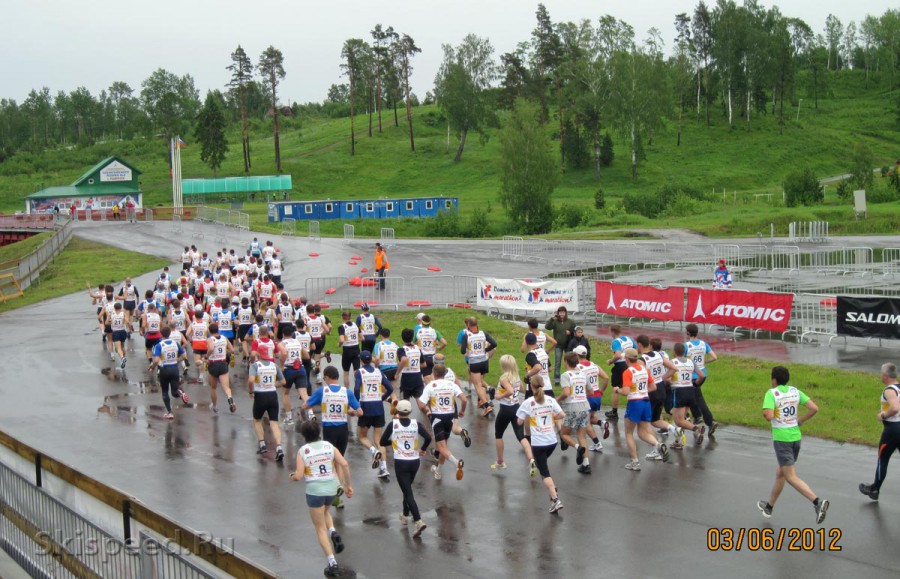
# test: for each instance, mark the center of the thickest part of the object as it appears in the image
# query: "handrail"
(132, 509)
(57, 242)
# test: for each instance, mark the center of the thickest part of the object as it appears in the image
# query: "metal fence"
(176, 225)
(148, 215)
(314, 234)
(349, 233)
(27, 269)
(808, 231)
(288, 227)
(388, 237)
(224, 217)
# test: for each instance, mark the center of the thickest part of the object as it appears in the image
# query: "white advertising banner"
(547, 295)
(115, 172)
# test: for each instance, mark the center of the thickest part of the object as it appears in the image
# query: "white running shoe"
(654, 455)
(596, 447)
(404, 520)
(436, 471)
(633, 465)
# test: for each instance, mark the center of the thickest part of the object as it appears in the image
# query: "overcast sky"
(63, 44)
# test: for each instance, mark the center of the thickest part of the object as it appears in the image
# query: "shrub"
(446, 224)
(599, 201)
(570, 216)
(801, 187)
(606, 151)
(478, 225)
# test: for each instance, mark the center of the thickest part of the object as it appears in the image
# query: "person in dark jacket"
(579, 339)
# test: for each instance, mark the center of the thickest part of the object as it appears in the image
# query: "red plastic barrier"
(330, 291)
(364, 270)
(356, 257)
(464, 306)
(368, 283)
(356, 281)
(829, 303)
(323, 305)
(352, 262)
(360, 303)
(434, 268)
(314, 254)
(418, 303)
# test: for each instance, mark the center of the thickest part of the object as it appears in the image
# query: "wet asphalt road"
(64, 398)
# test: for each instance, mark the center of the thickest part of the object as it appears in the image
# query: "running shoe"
(383, 473)
(712, 429)
(333, 571)
(436, 454)
(168, 416)
(376, 459)
(337, 542)
(340, 491)
(459, 469)
(279, 454)
(185, 398)
(579, 455)
(821, 509)
(555, 505)
(664, 452)
(262, 449)
(653, 455)
(584, 469)
(605, 429)
(338, 503)
(563, 445)
(498, 466)
(676, 446)
(633, 465)
(328, 356)
(868, 491)
(231, 405)
(436, 471)
(682, 437)
(532, 468)
(698, 434)
(213, 407)
(404, 520)
(124, 360)
(112, 357)
(612, 414)
(765, 508)
(596, 447)
(288, 422)
(420, 526)
(467, 440)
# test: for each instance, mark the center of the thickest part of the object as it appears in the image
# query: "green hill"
(745, 163)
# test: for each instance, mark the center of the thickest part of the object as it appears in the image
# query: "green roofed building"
(270, 187)
(110, 182)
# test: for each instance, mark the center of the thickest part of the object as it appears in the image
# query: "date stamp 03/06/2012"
(785, 539)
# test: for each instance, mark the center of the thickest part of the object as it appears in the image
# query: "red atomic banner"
(754, 310)
(640, 301)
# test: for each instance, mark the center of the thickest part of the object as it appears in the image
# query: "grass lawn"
(16, 251)
(847, 400)
(79, 262)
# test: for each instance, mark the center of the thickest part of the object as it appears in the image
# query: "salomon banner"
(868, 317)
(754, 310)
(640, 301)
(546, 295)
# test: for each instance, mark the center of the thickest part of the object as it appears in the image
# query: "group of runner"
(224, 307)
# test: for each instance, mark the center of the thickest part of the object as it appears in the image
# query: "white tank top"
(219, 349)
(414, 359)
(305, 339)
(286, 314)
(577, 387)
(640, 383)
(294, 350)
(441, 396)
(591, 373)
(371, 385)
(697, 354)
(367, 324)
(351, 335)
(266, 374)
(684, 372)
(118, 321)
(179, 320)
(654, 363)
(245, 316)
(388, 354)
(885, 405)
(476, 346)
(318, 463)
(334, 405)
(168, 352)
(515, 398)
(427, 338)
(405, 440)
(198, 331)
(316, 327)
(786, 405)
(153, 323)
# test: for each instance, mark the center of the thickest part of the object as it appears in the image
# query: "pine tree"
(210, 133)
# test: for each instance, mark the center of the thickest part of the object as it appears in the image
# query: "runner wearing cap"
(438, 402)
(542, 412)
(620, 343)
(369, 327)
(318, 462)
(890, 435)
(509, 396)
(593, 374)
(372, 389)
(403, 434)
(636, 386)
(781, 407)
(722, 277)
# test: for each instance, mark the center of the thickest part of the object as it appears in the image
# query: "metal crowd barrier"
(314, 234)
(176, 224)
(349, 233)
(808, 231)
(388, 237)
(288, 227)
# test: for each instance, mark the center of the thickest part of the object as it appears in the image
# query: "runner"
(276, 269)
(562, 328)
(537, 363)
(284, 316)
(317, 462)
(369, 328)
(781, 407)
(683, 397)
(403, 435)
(636, 386)
(318, 327)
(255, 248)
(509, 395)
(574, 398)
(337, 403)
(128, 294)
(700, 354)
(593, 374)
(890, 435)
(262, 383)
(438, 402)
(225, 319)
(167, 355)
(198, 333)
(245, 324)
(429, 341)
(219, 349)
(385, 355)
(409, 367)
(348, 338)
(263, 347)
(542, 412)
(116, 323)
(620, 343)
(544, 340)
(292, 355)
(661, 369)
(372, 389)
(151, 323)
(478, 347)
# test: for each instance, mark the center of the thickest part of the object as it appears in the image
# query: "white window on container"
(370, 207)
(390, 207)
(329, 207)
(349, 207)
(429, 204)
(448, 204)
(308, 208)
(409, 205)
